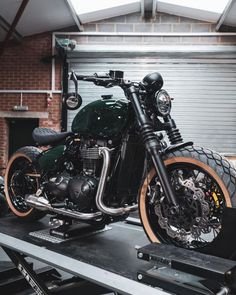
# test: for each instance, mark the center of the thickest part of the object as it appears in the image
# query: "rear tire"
(22, 179)
(209, 163)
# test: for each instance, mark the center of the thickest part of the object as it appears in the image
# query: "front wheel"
(204, 183)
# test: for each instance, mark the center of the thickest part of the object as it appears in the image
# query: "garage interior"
(191, 43)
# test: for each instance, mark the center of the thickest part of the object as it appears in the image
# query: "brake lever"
(105, 83)
(109, 85)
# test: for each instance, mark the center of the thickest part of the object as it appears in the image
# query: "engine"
(78, 188)
(82, 191)
(89, 153)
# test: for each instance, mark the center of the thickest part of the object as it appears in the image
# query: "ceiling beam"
(224, 15)
(154, 8)
(142, 8)
(147, 8)
(14, 24)
(74, 15)
(6, 26)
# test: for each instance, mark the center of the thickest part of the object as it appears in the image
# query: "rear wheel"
(204, 182)
(22, 178)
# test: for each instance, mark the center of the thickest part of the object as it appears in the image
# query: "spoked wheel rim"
(20, 181)
(196, 232)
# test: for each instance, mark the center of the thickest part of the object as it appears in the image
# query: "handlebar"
(113, 78)
(107, 80)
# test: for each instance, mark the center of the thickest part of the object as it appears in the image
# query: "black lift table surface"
(108, 258)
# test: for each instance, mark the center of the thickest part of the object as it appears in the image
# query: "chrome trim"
(105, 153)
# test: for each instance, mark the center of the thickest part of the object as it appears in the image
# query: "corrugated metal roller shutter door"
(205, 94)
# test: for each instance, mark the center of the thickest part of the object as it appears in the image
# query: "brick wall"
(22, 69)
(163, 23)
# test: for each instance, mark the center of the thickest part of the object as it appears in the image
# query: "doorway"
(20, 133)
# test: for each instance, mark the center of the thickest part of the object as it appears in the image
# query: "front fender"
(178, 146)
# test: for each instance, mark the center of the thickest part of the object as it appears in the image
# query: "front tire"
(21, 178)
(210, 174)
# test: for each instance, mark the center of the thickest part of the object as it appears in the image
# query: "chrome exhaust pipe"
(38, 202)
(105, 153)
(42, 203)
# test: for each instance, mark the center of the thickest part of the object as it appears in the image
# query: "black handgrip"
(92, 77)
(85, 77)
(75, 77)
(98, 79)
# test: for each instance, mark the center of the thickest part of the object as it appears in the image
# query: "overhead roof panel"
(89, 11)
(44, 15)
(39, 16)
(8, 9)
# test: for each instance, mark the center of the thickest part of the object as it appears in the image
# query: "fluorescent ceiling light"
(87, 6)
(217, 6)
(205, 10)
(94, 10)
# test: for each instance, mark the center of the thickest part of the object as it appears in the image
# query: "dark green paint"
(102, 118)
(48, 159)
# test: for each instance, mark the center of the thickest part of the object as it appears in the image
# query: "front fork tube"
(162, 175)
(153, 146)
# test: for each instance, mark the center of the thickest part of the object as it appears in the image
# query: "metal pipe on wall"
(53, 74)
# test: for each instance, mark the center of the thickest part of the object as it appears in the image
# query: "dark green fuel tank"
(102, 118)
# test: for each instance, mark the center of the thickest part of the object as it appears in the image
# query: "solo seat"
(47, 136)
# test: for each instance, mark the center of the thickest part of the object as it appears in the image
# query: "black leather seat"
(47, 136)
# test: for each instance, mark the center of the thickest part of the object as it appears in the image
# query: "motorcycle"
(116, 161)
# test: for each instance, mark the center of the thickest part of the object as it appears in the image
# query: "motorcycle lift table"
(106, 257)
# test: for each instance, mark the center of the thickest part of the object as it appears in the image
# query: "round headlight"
(163, 102)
